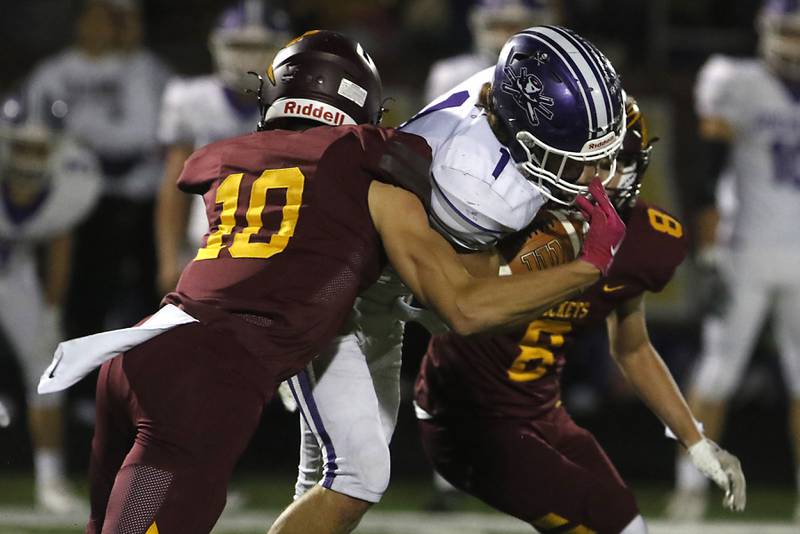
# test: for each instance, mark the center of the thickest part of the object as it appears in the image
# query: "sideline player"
(489, 407)
(48, 184)
(749, 117)
(112, 85)
(491, 22)
(478, 193)
(198, 111)
(300, 217)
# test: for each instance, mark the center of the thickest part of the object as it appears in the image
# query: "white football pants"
(759, 282)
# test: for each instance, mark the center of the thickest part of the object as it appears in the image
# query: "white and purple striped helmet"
(562, 106)
(245, 38)
(779, 28)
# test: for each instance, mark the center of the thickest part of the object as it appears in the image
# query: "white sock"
(687, 477)
(48, 465)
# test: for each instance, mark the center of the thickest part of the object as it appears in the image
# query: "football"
(553, 238)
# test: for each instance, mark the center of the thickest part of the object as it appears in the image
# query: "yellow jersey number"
(664, 223)
(535, 357)
(292, 180)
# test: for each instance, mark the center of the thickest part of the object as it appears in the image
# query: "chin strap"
(262, 107)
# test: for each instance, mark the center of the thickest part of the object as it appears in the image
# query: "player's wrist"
(587, 268)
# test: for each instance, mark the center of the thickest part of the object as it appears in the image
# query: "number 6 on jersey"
(228, 193)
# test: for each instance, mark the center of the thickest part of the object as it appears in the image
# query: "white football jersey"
(196, 112)
(765, 153)
(74, 187)
(478, 194)
(449, 72)
(113, 106)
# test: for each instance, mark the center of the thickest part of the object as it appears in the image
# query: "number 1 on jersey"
(292, 180)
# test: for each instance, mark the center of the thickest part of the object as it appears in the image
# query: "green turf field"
(768, 511)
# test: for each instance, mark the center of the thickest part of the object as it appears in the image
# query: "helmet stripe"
(588, 98)
(583, 64)
(591, 57)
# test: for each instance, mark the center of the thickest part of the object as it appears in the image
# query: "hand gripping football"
(553, 238)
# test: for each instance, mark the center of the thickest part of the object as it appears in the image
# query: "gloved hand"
(405, 310)
(724, 469)
(713, 295)
(606, 229)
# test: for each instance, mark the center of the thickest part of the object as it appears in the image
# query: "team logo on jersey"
(526, 89)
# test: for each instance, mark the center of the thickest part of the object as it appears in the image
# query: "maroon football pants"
(173, 416)
(548, 472)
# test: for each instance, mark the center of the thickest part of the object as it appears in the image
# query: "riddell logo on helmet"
(306, 108)
(314, 111)
(593, 145)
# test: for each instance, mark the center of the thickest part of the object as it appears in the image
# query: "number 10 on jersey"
(228, 193)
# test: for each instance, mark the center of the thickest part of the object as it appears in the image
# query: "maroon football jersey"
(290, 242)
(517, 374)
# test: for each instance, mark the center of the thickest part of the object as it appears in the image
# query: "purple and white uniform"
(31, 329)
(478, 195)
(760, 246)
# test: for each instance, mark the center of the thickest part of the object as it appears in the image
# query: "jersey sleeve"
(173, 128)
(398, 158)
(717, 91)
(660, 242)
(201, 169)
(478, 194)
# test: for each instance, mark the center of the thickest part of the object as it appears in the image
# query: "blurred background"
(658, 46)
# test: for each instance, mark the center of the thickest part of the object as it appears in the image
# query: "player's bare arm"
(172, 212)
(435, 274)
(58, 269)
(646, 372)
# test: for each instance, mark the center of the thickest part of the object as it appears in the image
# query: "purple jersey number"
(786, 163)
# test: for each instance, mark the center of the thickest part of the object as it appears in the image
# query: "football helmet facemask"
(562, 108)
(632, 160)
(25, 146)
(779, 37)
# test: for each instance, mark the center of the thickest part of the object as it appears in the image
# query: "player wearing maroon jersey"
(490, 412)
(302, 217)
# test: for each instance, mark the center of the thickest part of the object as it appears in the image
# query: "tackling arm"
(432, 270)
(172, 214)
(646, 372)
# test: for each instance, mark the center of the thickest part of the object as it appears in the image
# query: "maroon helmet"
(325, 77)
(633, 158)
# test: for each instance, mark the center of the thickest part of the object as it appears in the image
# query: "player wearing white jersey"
(750, 119)
(480, 189)
(491, 22)
(198, 111)
(48, 184)
(111, 86)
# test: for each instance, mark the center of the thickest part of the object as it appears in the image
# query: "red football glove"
(606, 229)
